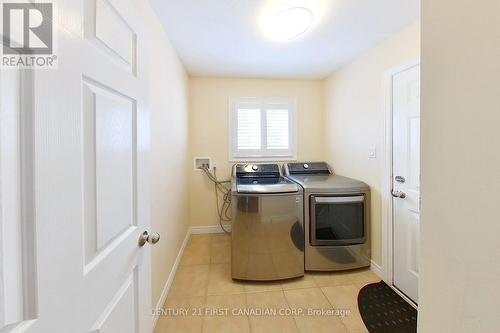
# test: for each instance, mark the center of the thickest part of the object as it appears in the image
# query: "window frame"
(262, 154)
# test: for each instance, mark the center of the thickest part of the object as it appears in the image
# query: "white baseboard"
(171, 277)
(375, 268)
(210, 229)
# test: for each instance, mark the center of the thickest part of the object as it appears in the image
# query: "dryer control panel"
(311, 168)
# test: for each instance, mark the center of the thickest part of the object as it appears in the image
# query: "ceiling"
(224, 37)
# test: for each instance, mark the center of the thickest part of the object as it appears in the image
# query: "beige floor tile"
(311, 298)
(222, 314)
(196, 254)
(181, 314)
(269, 299)
(263, 324)
(220, 238)
(364, 277)
(317, 324)
(200, 238)
(226, 301)
(346, 297)
(220, 252)
(333, 279)
(357, 277)
(303, 282)
(197, 250)
(226, 324)
(275, 303)
(252, 287)
(220, 282)
(190, 281)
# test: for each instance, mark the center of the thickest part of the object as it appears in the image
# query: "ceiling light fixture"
(288, 24)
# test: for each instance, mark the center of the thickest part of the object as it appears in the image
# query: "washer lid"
(266, 185)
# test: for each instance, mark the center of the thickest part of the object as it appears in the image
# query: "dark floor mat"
(384, 311)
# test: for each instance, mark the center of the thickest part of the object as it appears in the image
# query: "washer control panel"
(257, 170)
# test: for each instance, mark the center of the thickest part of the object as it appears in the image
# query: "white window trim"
(257, 156)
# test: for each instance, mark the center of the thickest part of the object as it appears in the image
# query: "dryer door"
(337, 220)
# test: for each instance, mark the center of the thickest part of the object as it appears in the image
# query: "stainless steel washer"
(336, 217)
(267, 224)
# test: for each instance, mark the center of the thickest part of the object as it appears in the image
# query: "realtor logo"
(28, 36)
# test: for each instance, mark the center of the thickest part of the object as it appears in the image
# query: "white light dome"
(289, 23)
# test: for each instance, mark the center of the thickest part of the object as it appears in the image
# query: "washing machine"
(267, 235)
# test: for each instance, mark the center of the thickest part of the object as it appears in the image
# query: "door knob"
(154, 238)
(145, 237)
(398, 194)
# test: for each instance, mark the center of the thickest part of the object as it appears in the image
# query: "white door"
(74, 186)
(406, 180)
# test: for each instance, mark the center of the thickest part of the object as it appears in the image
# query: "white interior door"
(406, 180)
(74, 182)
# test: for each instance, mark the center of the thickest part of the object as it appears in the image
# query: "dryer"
(336, 217)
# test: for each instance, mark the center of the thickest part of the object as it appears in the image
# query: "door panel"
(18, 304)
(110, 152)
(11, 295)
(413, 243)
(406, 179)
(90, 136)
(120, 314)
(111, 33)
(115, 166)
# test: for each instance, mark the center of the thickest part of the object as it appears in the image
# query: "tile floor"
(204, 298)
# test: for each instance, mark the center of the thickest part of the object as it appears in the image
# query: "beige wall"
(460, 258)
(168, 104)
(209, 109)
(355, 97)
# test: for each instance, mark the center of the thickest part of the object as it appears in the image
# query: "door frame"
(387, 214)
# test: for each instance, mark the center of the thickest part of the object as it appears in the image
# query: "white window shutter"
(278, 135)
(248, 129)
(262, 129)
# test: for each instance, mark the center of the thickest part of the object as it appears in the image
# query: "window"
(262, 129)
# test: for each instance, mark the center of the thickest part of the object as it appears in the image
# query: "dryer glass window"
(337, 220)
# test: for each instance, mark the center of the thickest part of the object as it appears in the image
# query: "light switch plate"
(372, 152)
